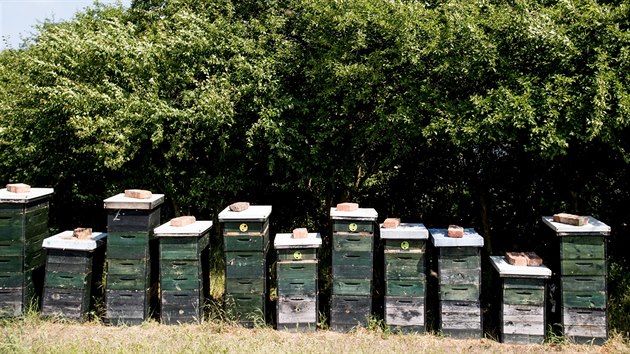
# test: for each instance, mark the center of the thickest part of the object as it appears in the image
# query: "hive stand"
(405, 276)
(184, 262)
(132, 258)
(522, 313)
(245, 245)
(581, 276)
(23, 228)
(297, 290)
(459, 278)
(352, 267)
(74, 269)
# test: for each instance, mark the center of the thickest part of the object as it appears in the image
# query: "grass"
(34, 334)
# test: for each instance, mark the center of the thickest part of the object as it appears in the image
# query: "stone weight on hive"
(184, 282)
(73, 274)
(132, 258)
(245, 245)
(23, 228)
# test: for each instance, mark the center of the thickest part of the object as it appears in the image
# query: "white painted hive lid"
(471, 238)
(507, 270)
(593, 226)
(366, 214)
(253, 213)
(282, 241)
(17, 198)
(65, 241)
(197, 228)
(119, 201)
(407, 231)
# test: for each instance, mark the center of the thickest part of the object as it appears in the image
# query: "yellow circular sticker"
(353, 227)
(297, 255)
(243, 227)
(404, 245)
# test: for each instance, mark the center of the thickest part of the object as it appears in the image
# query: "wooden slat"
(407, 288)
(460, 315)
(67, 303)
(584, 299)
(297, 270)
(245, 286)
(454, 276)
(126, 306)
(523, 319)
(583, 283)
(405, 245)
(298, 309)
(182, 248)
(296, 254)
(129, 220)
(248, 243)
(353, 243)
(583, 267)
(128, 245)
(250, 228)
(352, 286)
(517, 296)
(582, 247)
(460, 292)
(349, 311)
(353, 226)
(404, 311)
(63, 280)
(291, 287)
(404, 265)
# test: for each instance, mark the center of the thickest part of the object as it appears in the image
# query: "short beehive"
(405, 276)
(352, 267)
(297, 289)
(23, 227)
(245, 245)
(184, 282)
(522, 312)
(459, 278)
(132, 259)
(74, 271)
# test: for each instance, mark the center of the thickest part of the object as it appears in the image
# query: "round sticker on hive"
(353, 227)
(297, 255)
(404, 245)
(243, 227)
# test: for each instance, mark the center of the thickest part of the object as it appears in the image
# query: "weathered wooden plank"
(353, 258)
(523, 319)
(11, 249)
(404, 311)
(180, 282)
(64, 280)
(130, 220)
(348, 312)
(126, 306)
(524, 283)
(172, 268)
(245, 286)
(460, 292)
(248, 243)
(246, 308)
(128, 245)
(583, 267)
(12, 280)
(12, 264)
(460, 315)
(11, 302)
(516, 296)
(585, 323)
(296, 254)
(584, 299)
(354, 226)
(407, 288)
(353, 242)
(67, 303)
(583, 283)
(246, 227)
(245, 265)
(455, 276)
(136, 282)
(298, 309)
(522, 339)
(291, 287)
(297, 270)
(35, 259)
(404, 265)
(582, 247)
(352, 271)
(404, 245)
(181, 306)
(352, 286)
(135, 267)
(182, 248)
(459, 262)
(458, 252)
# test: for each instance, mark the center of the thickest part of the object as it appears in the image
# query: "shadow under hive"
(352, 267)
(522, 312)
(132, 259)
(245, 245)
(296, 271)
(582, 279)
(405, 277)
(183, 271)
(23, 228)
(459, 277)
(73, 272)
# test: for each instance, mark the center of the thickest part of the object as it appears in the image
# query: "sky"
(19, 17)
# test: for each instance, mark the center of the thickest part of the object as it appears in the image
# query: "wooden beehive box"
(581, 278)
(23, 227)
(184, 281)
(296, 274)
(352, 267)
(132, 257)
(245, 244)
(405, 276)
(73, 273)
(522, 311)
(459, 278)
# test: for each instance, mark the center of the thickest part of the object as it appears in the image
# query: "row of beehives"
(136, 243)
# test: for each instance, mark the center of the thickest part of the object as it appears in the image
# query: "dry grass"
(35, 335)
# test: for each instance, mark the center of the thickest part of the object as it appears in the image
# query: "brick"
(239, 206)
(300, 233)
(138, 193)
(82, 233)
(455, 231)
(391, 223)
(570, 219)
(182, 221)
(516, 258)
(347, 206)
(18, 188)
(533, 259)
